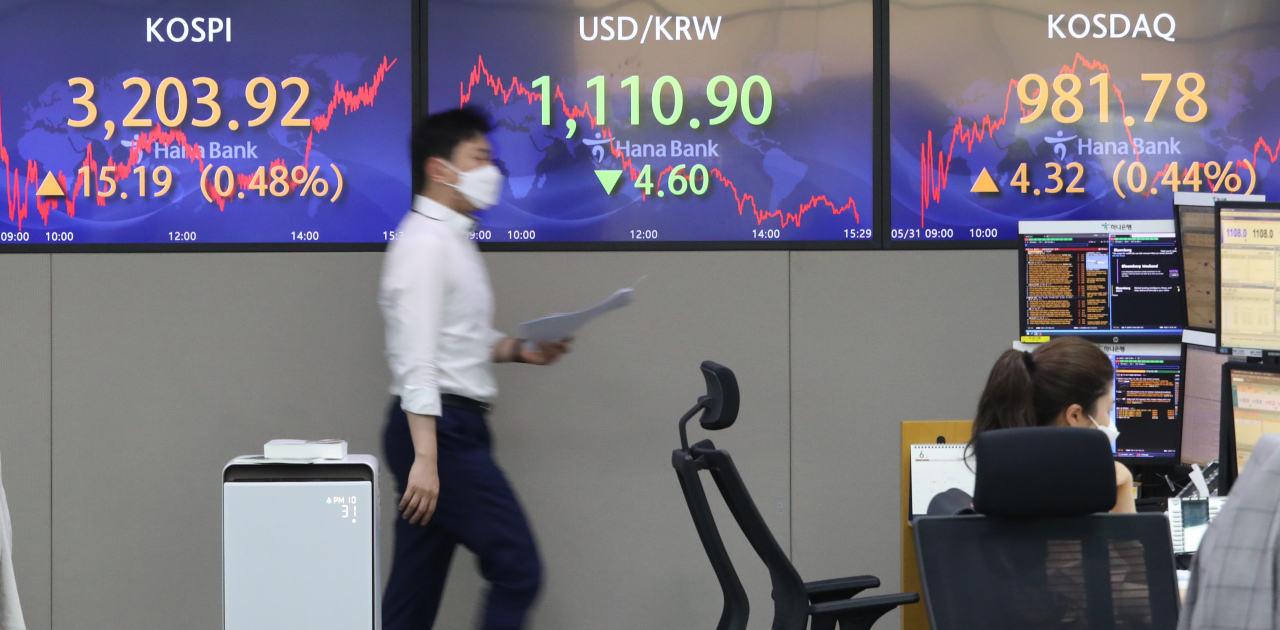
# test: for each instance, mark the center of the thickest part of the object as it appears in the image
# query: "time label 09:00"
(514, 235)
(49, 237)
(915, 234)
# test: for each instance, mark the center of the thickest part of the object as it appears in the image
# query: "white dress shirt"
(438, 307)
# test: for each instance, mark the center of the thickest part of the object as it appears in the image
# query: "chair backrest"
(1043, 472)
(791, 602)
(719, 409)
(1039, 555)
(1098, 571)
(736, 609)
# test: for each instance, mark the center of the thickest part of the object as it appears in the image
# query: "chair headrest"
(1043, 472)
(720, 405)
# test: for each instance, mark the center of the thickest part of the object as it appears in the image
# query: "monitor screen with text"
(1249, 251)
(1148, 389)
(1109, 281)
(1255, 406)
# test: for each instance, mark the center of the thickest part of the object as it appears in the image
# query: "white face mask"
(482, 186)
(1109, 429)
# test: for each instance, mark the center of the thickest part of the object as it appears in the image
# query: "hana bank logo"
(1059, 145)
(598, 147)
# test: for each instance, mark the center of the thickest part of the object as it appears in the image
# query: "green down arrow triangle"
(609, 179)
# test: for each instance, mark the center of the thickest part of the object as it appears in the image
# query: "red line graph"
(19, 187)
(514, 88)
(935, 167)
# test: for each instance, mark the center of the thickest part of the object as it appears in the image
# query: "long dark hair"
(1030, 389)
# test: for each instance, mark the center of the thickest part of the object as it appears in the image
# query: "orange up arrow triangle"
(984, 184)
(50, 187)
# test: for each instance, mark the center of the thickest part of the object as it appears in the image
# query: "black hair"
(437, 135)
(1030, 389)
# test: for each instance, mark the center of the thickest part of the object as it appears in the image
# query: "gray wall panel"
(879, 338)
(25, 425)
(165, 367)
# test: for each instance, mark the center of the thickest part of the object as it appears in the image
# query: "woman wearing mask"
(1065, 382)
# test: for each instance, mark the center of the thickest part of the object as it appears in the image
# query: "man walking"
(441, 346)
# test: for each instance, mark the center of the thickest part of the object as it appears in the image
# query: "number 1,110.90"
(732, 99)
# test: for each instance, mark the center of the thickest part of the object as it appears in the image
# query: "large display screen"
(1091, 110)
(184, 123)
(690, 122)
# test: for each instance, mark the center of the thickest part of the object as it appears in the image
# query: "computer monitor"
(1109, 281)
(1248, 237)
(1201, 403)
(1193, 214)
(1199, 265)
(1148, 386)
(1250, 407)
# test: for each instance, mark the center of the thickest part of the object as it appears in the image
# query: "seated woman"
(1065, 382)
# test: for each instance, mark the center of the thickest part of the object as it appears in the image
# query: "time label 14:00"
(732, 100)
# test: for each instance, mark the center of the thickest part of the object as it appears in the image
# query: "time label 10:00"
(174, 113)
(668, 115)
(1067, 86)
(513, 235)
(53, 236)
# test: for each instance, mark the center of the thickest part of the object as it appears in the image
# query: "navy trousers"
(476, 509)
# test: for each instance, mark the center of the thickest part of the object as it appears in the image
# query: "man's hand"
(422, 492)
(548, 352)
(423, 487)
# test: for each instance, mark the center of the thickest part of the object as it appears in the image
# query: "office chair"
(826, 602)
(1038, 554)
